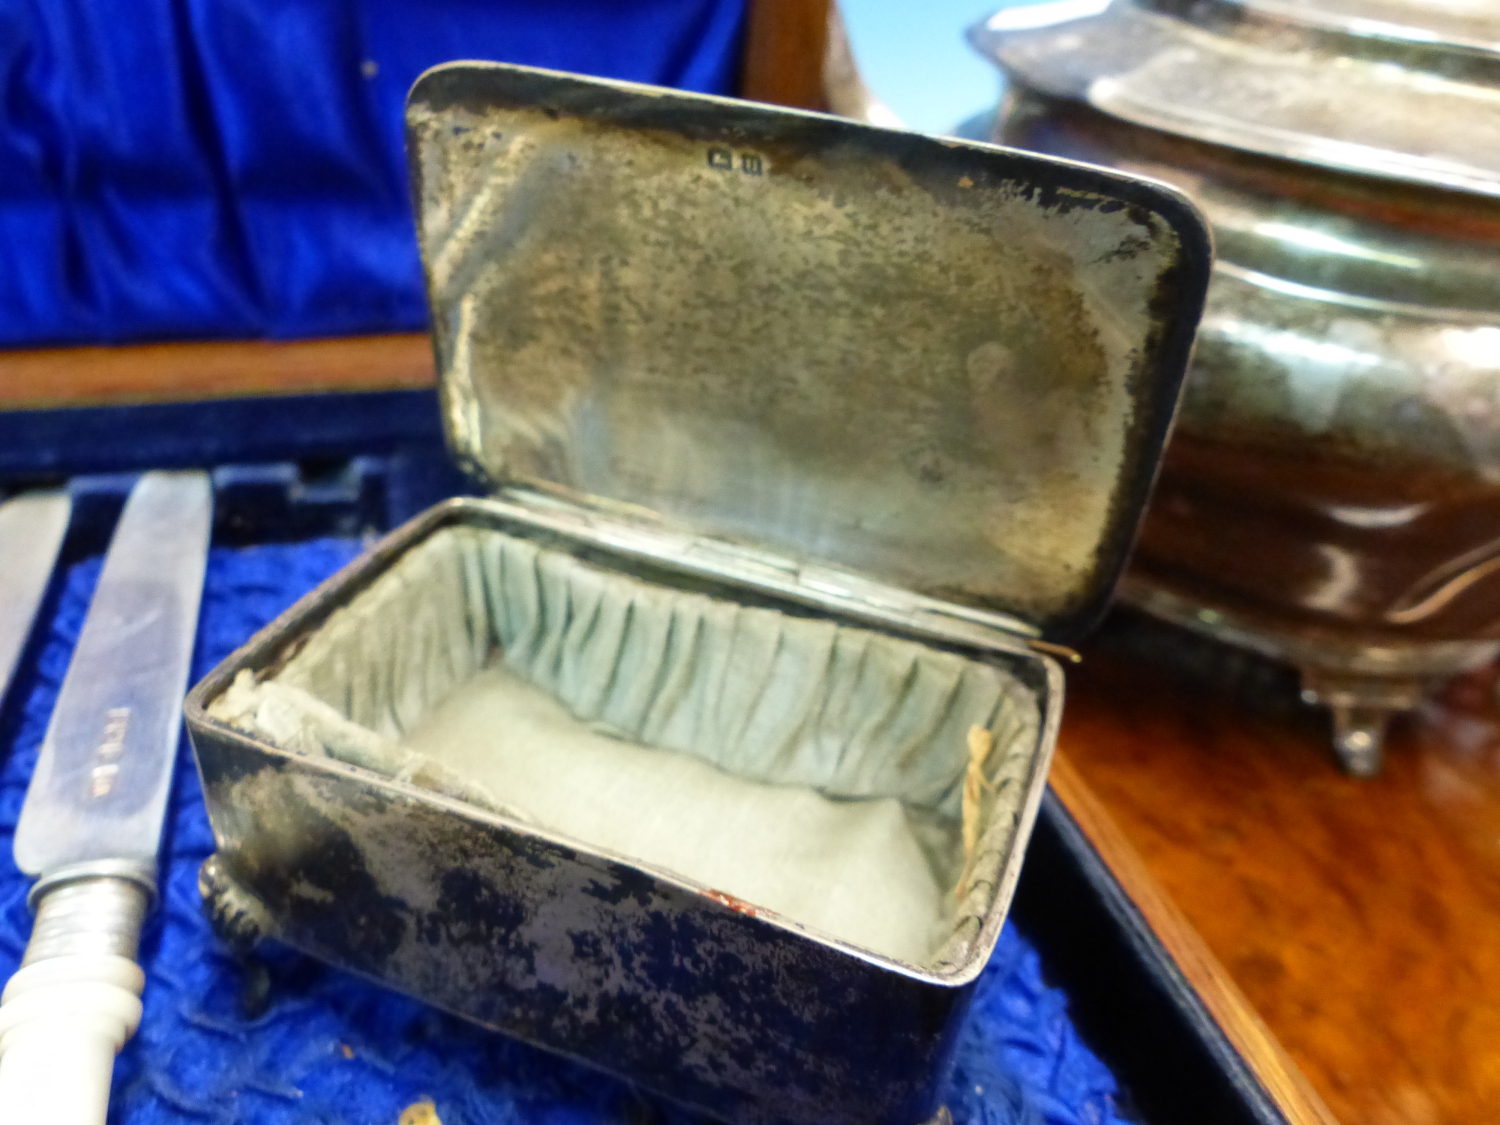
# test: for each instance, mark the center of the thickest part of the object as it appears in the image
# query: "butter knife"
(91, 824)
(32, 527)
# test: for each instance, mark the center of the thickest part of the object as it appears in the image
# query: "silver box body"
(905, 383)
(684, 990)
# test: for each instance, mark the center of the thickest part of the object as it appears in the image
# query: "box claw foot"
(237, 916)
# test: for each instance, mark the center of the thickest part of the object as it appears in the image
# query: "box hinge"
(809, 582)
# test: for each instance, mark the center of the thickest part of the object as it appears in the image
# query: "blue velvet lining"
(334, 1050)
(235, 168)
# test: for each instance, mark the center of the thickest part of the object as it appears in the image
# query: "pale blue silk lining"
(762, 696)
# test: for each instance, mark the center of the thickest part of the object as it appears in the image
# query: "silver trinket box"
(706, 748)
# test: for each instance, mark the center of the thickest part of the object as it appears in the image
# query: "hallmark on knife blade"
(111, 748)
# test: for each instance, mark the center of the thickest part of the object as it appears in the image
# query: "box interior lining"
(805, 767)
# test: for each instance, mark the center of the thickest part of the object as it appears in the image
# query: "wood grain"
(1225, 1002)
(174, 372)
(1361, 919)
(786, 42)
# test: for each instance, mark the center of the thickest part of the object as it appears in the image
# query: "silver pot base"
(1362, 684)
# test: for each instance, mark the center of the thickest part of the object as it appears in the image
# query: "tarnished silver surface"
(1325, 319)
(935, 364)
(89, 917)
(1306, 82)
(101, 782)
(1384, 375)
(689, 991)
(1472, 24)
(32, 527)
(1334, 485)
(1361, 683)
(1346, 328)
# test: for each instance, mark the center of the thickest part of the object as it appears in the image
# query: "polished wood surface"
(174, 372)
(1223, 998)
(786, 43)
(1360, 918)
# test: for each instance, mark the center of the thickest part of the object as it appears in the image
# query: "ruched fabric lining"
(810, 768)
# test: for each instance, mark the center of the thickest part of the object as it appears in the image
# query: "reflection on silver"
(1376, 517)
(1342, 578)
(1360, 683)
(1347, 155)
(1282, 82)
(1322, 242)
(1026, 17)
(1459, 23)
(101, 782)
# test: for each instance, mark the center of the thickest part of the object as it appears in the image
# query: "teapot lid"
(1403, 89)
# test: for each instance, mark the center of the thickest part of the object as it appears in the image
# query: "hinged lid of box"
(946, 367)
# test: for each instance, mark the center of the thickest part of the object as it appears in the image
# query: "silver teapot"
(1331, 496)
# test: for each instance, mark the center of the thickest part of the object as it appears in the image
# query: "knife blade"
(32, 527)
(91, 823)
